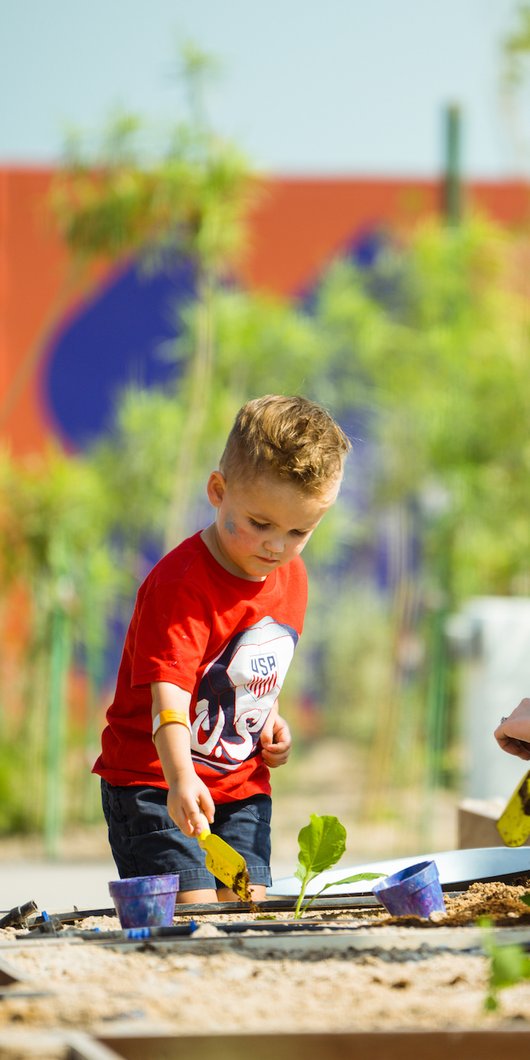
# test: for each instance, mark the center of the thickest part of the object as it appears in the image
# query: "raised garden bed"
(326, 986)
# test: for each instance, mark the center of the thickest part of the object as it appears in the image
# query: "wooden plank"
(80, 1046)
(379, 1045)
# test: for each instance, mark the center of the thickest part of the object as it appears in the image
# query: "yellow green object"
(225, 863)
(513, 825)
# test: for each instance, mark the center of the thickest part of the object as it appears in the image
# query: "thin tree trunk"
(199, 389)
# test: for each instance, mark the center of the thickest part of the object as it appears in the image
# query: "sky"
(315, 87)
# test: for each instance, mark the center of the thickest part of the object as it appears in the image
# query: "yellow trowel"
(226, 864)
(513, 825)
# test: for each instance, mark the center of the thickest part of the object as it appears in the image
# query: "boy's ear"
(215, 488)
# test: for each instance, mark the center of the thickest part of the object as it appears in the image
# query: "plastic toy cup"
(414, 891)
(145, 901)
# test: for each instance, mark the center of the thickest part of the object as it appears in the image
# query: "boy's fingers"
(207, 805)
(266, 737)
(278, 748)
(197, 822)
(283, 732)
(275, 763)
(276, 755)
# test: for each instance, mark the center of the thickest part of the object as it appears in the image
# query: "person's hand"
(190, 804)
(275, 741)
(513, 732)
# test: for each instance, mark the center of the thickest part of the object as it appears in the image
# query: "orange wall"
(297, 227)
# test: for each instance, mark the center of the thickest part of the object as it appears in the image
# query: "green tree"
(442, 365)
(54, 544)
(434, 340)
(515, 69)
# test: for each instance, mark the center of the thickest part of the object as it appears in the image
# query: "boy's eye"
(299, 533)
(258, 526)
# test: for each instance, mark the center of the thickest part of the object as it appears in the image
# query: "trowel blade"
(513, 825)
(225, 863)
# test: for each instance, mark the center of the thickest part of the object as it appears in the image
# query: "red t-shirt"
(226, 640)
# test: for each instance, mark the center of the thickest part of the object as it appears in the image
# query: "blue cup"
(414, 891)
(145, 901)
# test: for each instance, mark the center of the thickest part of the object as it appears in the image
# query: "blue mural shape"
(117, 340)
(114, 341)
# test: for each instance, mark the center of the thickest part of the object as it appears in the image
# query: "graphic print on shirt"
(237, 693)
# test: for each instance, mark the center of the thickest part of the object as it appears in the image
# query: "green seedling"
(508, 965)
(321, 844)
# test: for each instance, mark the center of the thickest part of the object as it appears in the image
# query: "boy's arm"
(275, 739)
(188, 799)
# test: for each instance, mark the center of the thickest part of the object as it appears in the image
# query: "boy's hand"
(275, 741)
(190, 804)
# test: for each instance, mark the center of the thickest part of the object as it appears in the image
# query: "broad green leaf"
(322, 843)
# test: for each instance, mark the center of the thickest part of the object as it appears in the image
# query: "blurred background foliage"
(422, 355)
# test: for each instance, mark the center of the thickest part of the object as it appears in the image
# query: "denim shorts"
(145, 841)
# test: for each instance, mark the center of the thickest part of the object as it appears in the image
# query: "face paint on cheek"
(230, 526)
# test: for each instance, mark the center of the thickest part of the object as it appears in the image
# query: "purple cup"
(414, 891)
(145, 901)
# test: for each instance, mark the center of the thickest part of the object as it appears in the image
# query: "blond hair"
(290, 437)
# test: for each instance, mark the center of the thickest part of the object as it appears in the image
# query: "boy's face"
(263, 524)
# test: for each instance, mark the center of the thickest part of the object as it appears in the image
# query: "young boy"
(194, 726)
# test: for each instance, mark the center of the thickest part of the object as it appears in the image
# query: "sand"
(90, 986)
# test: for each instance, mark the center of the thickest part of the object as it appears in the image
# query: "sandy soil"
(93, 986)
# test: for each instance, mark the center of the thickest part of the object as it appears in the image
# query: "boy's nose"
(275, 545)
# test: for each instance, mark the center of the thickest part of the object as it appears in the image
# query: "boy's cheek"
(235, 530)
(245, 538)
(230, 526)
